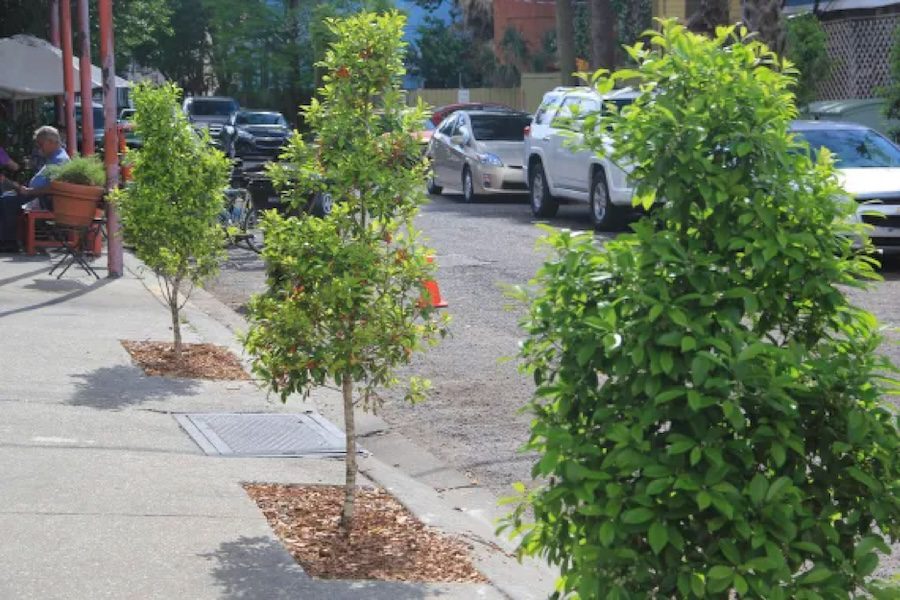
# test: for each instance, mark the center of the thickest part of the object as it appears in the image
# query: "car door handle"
(546, 138)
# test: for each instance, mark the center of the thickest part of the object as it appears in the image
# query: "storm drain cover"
(264, 434)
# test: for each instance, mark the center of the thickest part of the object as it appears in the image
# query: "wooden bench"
(35, 232)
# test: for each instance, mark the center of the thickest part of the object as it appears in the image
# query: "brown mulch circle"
(200, 361)
(386, 542)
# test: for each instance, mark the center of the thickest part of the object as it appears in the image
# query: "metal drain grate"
(264, 434)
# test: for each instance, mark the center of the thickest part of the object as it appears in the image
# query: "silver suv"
(554, 170)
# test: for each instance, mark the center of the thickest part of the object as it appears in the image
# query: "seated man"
(34, 194)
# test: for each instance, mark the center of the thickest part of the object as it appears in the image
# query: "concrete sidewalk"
(102, 495)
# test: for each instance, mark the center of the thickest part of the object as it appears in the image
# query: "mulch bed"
(386, 542)
(200, 361)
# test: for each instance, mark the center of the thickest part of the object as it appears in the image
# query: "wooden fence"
(526, 97)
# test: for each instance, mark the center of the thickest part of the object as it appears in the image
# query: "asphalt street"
(472, 420)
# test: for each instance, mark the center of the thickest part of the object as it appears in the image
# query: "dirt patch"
(200, 361)
(386, 542)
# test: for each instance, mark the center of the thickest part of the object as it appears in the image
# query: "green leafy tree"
(445, 55)
(807, 48)
(892, 92)
(709, 412)
(171, 207)
(345, 293)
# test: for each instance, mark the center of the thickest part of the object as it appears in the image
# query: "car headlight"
(490, 159)
(244, 135)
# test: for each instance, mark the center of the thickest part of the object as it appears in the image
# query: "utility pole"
(84, 69)
(110, 136)
(65, 22)
(565, 41)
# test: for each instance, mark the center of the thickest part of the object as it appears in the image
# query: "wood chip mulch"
(386, 542)
(200, 361)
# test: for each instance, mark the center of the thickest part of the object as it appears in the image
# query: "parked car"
(212, 113)
(443, 112)
(869, 168)
(479, 150)
(126, 125)
(255, 133)
(555, 170)
(99, 123)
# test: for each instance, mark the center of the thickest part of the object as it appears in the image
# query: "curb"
(456, 509)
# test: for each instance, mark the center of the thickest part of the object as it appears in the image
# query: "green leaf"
(698, 585)
(703, 500)
(777, 488)
(681, 446)
(636, 516)
(816, 575)
(658, 537)
(607, 533)
(668, 395)
(758, 488)
(864, 478)
(657, 486)
(688, 343)
(740, 585)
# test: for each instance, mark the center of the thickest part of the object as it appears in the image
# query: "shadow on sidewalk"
(122, 386)
(252, 568)
(75, 289)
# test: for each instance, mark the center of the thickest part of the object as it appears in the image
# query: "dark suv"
(256, 133)
(214, 114)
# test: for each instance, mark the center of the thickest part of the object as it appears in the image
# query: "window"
(547, 107)
(499, 128)
(212, 108)
(260, 119)
(447, 126)
(853, 148)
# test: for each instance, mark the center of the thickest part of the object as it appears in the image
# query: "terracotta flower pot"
(75, 205)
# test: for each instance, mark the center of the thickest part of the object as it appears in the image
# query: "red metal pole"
(65, 22)
(55, 40)
(110, 135)
(84, 68)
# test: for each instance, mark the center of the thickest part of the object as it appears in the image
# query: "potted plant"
(77, 187)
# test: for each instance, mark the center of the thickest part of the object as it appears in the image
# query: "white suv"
(554, 170)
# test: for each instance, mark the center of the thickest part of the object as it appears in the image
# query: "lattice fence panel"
(860, 48)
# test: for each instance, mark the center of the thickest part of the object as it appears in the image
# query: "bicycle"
(240, 220)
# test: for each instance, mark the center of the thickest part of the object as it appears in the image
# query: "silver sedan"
(480, 152)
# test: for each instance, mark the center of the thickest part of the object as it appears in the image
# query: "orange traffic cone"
(432, 290)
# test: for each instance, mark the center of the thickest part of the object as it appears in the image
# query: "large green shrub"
(807, 48)
(892, 92)
(708, 408)
(171, 207)
(345, 293)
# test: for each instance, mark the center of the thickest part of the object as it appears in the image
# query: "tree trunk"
(603, 35)
(764, 17)
(565, 40)
(709, 15)
(350, 461)
(176, 319)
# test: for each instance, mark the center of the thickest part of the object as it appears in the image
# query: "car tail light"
(527, 130)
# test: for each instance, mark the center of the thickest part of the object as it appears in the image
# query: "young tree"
(709, 410)
(807, 49)
(892, 92)
(170, 209)
(346, 298)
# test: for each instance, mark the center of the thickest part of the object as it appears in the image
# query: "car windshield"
(260, 119)
(499, 128)
(212, 108)
(854, 148)
(99, 121)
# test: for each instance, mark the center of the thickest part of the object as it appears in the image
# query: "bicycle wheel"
(251, 231)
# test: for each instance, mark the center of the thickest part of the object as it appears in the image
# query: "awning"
(32, 68)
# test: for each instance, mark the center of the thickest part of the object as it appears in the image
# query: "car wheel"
(468, 184)
(321, 204)
(605, 216)
(433, 188)
(252, 231)
(543, 204)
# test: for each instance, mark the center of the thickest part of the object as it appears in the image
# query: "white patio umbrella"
(31, 68)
